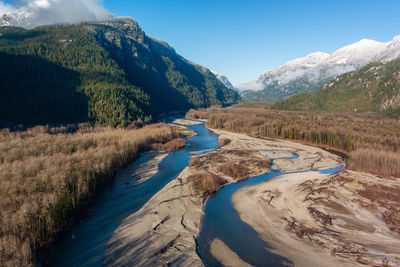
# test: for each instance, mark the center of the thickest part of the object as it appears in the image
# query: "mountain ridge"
(123, 74)
(224, 79)
(373, 88)
(307, 74)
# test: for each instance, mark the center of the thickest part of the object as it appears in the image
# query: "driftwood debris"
(176, 198)
(269, 202)
(169, 245)
(323, 218)
(162, 222)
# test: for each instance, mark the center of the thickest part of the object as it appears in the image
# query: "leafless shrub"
(206, 182)
(195, 162)
(235, 171)
(195, 114)
(380, 162)
(223, 141)
(239, 153)
(214, 157)
(172, 145)
(260, 163)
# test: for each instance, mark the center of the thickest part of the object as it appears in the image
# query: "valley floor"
(310, 218)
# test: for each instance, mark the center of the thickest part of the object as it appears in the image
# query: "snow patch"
(224, 80)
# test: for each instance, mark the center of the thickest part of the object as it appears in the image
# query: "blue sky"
(243, 38)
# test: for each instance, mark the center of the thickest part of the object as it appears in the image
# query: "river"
(86, 244)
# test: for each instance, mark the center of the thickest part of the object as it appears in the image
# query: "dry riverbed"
(297, 214)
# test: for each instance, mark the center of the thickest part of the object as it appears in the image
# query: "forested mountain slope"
(108, 72)
(373, 88)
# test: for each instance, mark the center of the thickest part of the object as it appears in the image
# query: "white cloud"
(32, 13)
(253, 85)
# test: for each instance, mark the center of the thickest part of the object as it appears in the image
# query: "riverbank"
(164, 231)
(149, 168)
(326, 220)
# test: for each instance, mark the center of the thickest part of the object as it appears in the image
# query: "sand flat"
(149, 168)
(225, 255)
(163, 231)
(294, 221)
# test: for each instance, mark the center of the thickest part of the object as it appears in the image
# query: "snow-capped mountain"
(307, 74)
(224, 80)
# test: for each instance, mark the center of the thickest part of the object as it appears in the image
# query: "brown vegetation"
(260, 163)
(206, 182)
(195, 162)
(171, 145)
(49, 175)
(236, 171)
(202, 162)
(201, 113)
(223, 141)
(373, 140)
(239, 153)
(237, 164)
(380, 162)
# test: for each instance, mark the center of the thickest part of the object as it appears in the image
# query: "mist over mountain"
(372, 88)
(307, 74)
(29, 14)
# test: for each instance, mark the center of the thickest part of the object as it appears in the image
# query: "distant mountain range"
(109, 72)
(307, 74)
(373, 88)
(224, 80)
